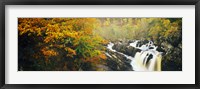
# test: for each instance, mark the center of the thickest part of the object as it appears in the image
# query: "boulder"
(117, 62)
(143, 42)
(159, 49)
(131, 41)
(131, 51)
(120, 47)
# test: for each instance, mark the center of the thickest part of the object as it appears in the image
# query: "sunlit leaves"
(70, 52)
(74, 41)
(71, 37)
(139, 28)
(48, 52)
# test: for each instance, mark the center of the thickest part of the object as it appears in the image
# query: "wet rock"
(131, 41)
(143, 42)
(120, 47)
(171, 55)
(125, 48)
(131, 51)
(117, 62)
(161, 50)
(151, 47)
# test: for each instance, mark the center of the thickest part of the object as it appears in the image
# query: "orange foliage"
(73, 35)
(48, 52)
(70, 51)
(102, 56)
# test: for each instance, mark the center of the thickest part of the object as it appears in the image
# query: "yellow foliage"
(65, 38)
(48, 52)
(70, 51)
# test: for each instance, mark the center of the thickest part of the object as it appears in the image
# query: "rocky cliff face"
(172, 58)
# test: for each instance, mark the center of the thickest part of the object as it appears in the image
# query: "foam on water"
(140, 61)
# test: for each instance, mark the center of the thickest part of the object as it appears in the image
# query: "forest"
(100, 44)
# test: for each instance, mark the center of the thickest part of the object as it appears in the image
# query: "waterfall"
(149, 59)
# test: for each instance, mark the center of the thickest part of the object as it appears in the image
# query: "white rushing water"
(149, 59)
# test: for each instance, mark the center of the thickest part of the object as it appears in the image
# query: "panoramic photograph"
(100, 44)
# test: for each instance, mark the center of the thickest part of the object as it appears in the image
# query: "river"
(148, 59)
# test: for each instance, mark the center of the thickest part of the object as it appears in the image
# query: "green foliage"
(159, 30)
(156, 29)
(74, 43)
(65, 43)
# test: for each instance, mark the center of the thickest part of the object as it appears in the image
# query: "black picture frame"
(3, 3)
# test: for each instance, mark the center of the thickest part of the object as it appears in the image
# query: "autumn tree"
(59, 43)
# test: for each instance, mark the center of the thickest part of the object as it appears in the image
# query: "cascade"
(149, 59)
